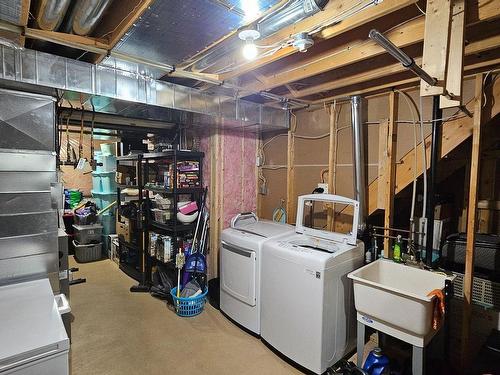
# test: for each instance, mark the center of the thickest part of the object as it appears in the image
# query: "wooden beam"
(409, 33)
(216, 197)
(121, 18)
(436, 35)
(25, 11)
(471, 220)
(67, 39)
(332, 152)
(473, 48)
(390, 168)
(382, 162)
(482, 66)
(454, 75)
(290, 174)
(332, 10)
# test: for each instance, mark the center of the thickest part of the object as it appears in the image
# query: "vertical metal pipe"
(437, 122)
(358, 154)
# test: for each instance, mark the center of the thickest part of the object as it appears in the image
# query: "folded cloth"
(438, 308)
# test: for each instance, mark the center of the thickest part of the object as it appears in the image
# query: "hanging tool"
(279, 214)
(80, 140)
(68, 145)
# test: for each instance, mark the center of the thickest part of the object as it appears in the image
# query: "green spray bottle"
(397, 250)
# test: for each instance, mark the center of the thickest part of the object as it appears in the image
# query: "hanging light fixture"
(249, 49)
(302, 41)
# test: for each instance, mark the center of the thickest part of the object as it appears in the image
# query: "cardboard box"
(123, 228)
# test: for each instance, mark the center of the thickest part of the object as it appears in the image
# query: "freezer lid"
(266, 228)
(30, 324)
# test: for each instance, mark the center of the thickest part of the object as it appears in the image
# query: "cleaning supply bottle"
(397, 250)
(376, 363)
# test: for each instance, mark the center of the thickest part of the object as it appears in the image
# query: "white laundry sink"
(395, 295)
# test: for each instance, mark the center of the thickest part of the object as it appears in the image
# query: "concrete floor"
(118, 332)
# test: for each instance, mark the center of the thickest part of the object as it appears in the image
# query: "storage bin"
(103, 199)
(87, 253)
(104, 182)
(108, 224)
(86, 234)
(107, 148)
(98, 158)
(108, 163)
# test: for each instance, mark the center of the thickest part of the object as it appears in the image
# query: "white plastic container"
(396, 295)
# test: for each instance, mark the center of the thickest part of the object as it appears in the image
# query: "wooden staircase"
(454, 133)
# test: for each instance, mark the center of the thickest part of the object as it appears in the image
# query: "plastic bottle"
(376, 363)
(397, 250)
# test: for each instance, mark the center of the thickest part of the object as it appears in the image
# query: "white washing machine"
(307, 310)
(240, 266)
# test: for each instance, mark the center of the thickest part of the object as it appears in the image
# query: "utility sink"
(395, 295)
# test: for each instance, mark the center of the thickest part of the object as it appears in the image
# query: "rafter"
(407, 34)
(471, 49)
(332, 9)
(63, 38)
(25, 11)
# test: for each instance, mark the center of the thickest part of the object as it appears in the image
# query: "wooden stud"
(382, 162)
(392, 134)
(258, 145)
(454, 75)
(290, 174)
(216, 194)
(332, 152)
(435, 55)
(69, 39)
(471, 220)
(25, 11)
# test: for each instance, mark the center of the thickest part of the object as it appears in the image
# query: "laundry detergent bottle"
(376, 363)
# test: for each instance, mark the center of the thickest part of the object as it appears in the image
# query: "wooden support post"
(332, 146)
(290, 174)
(436, 35)
(454, 75)
(216, 201)
(471, 222)
(382, 162)
(390, 169)
(258, 145)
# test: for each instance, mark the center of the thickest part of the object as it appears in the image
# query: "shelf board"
(170, 226)
(122, 186)
(181, 155)
(178, 191)
(134, 157)
(127, 244)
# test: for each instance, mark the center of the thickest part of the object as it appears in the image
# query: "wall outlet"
(263, 189)
(324, 187)
(258, 161)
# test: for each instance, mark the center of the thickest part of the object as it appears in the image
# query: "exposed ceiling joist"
(123, 15)
(407, 34)
(472, 48)
(70, 40)
(332, 10)
(25, 11)
(410, 82)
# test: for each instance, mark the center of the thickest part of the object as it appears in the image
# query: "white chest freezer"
(33, 340)
(307, 309)
(240, 267)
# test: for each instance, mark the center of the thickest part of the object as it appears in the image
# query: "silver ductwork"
(359, 162)
(129, 93)
(50, 13)
(292, 12)
(85, 15)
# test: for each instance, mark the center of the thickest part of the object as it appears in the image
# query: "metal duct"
(50, 13)
(359, 162)
(129, 93)
(85, 15)
(292, 12)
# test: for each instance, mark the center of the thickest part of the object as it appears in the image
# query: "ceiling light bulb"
(250, 50)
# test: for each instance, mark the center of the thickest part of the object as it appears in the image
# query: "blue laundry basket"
(189, 306)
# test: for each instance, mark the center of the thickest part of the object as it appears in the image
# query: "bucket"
(96, 181)
(108, 163)
(189, 306)
(104, 182)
